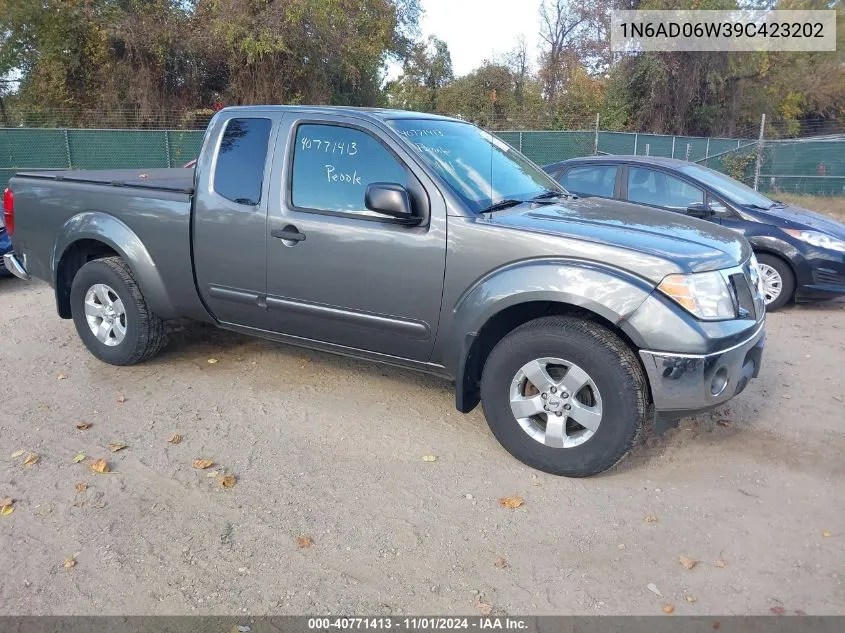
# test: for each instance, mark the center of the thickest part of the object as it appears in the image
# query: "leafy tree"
(427, 69)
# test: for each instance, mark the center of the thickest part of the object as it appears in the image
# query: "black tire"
(613, 368)
(787, 280)
(145, 335)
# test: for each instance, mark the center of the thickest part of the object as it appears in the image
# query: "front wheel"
(111, 315)
(565, 396)
(778, 281)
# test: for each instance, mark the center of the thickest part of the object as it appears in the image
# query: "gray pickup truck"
(415, 240)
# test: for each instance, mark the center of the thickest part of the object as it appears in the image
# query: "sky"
(476, 30)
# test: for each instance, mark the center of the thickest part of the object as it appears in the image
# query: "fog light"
(719, 382)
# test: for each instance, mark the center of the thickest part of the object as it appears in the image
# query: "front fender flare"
(105, 228)
(608, 292)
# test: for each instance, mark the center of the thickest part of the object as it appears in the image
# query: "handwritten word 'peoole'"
(352, 178)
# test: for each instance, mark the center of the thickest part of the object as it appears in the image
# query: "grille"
(744, 298)
(749, 299)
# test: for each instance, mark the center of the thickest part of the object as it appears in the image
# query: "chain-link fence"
(814, 165)
(28, 148)
(808, 166)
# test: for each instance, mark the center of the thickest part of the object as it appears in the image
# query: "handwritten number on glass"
(329, 147)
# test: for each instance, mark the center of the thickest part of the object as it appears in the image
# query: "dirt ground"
(332, 449)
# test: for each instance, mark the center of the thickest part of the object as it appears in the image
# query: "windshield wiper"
(550, 193)
(507, 203)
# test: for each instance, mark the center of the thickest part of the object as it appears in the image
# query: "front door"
(657, 188)
(337, 272)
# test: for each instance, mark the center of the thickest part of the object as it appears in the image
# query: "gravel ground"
(331, 449)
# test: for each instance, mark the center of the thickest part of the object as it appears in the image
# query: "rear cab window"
(332, 166)
(241, 158)
(591, 180)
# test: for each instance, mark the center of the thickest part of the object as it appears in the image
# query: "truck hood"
(691, 244)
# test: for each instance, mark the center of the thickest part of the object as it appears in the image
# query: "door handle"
(288, 234)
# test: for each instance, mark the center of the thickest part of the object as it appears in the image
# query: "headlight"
(817, 239)
(706, 295)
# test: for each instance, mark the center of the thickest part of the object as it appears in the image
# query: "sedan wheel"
(772, 283)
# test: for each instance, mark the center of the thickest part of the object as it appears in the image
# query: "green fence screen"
(811, 166)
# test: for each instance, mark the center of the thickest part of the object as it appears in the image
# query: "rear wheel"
(778, 281)
(565, 396)
(111, 316)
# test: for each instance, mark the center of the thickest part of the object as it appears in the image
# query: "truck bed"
(177, 179)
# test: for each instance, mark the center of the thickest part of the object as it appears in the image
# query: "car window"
(332, 166)
(239, 172)
(649, 186)
(595, 180)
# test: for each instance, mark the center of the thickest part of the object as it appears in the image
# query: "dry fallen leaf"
(121, 398)
(83, 426)
(690, 598)
(211, 361)
(99, 466)
(650, 518)
(511, 502)
(202, 464)
(501, 563)
(720, 563)
(653, 589)
(429, 458)
(7, 506)
(778, 610)
(687, 562)
(69, 562)
(81, 487)
(175, 438)
(31, 458)
(116, 446)
(212, 474)
(484, 607)
(227, 481)
(78, 458)
(826, 533)
(17, 454)
(303, 541)
(61, 377)
(725, 423)
(668, 608)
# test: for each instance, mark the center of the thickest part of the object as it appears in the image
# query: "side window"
(332, 166)
(239, 172)
(716, 206)
(594, 180)
(648, 186)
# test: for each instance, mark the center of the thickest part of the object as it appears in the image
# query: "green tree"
(427, 69)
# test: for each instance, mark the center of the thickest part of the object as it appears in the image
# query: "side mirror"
(700, 210)
(390, 199)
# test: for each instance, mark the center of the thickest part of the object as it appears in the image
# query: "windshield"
(732, 189)
(478, 167)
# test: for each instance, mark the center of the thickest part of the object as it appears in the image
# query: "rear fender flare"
(107, 229)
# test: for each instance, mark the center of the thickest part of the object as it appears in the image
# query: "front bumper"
(14, 266)
(685, 384)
